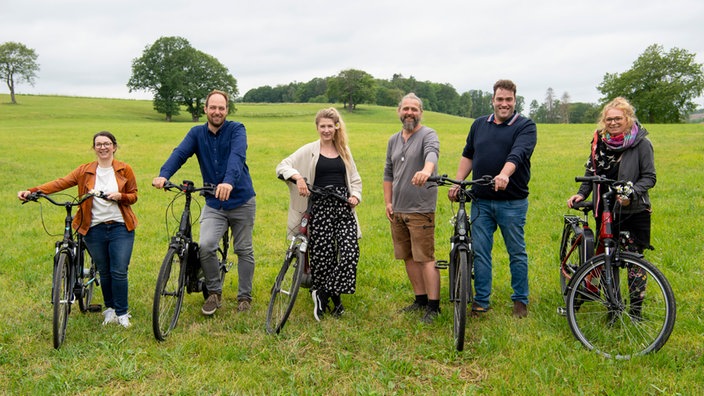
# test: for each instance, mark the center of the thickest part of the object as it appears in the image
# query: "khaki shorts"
(414, 236)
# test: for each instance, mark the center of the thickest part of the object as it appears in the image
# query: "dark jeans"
(110, 246)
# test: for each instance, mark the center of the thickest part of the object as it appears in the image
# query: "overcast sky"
(86, 47)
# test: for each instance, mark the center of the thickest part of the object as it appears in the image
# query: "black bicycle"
(72, 279)
(608, 306)
(461, 263)
(181, 271)
(295, 271)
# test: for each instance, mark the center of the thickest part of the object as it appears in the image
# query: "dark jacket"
(637, 165)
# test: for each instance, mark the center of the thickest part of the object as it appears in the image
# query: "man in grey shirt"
(412, 157)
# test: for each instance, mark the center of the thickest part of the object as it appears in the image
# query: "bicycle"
(461, 263)
(71, 279)
(181, 271)
(295, 271)
(608, 307)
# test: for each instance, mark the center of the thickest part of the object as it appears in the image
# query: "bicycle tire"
(575, 250)
(623, 328)
(168, 295)
(462, 292)
(88, 280)
(61, 297)
(285, 291)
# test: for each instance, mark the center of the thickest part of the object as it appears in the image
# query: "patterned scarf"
(623, 141)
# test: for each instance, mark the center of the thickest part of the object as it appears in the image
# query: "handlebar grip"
(436, 178)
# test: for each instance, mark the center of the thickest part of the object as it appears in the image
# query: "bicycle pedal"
(95, 308)
(442, 264)
(562, 311)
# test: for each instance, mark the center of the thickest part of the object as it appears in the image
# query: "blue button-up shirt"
(222, 158)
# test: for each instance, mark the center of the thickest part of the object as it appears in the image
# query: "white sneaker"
(110, 316)
(124, 320)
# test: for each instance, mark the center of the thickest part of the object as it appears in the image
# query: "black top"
(330, 172)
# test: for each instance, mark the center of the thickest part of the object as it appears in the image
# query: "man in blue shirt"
(221, 149)
(499, 145)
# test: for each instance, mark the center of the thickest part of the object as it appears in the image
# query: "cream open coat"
(303, 162)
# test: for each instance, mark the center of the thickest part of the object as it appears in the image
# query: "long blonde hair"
(340, 137)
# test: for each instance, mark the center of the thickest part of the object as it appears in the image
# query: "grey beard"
(409, 124)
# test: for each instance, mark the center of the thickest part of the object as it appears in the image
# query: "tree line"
(661, 85)
(352, 87)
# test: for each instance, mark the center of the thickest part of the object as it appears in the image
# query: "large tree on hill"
(17, 63)
(178, 74)
(660, 85)
(352, 87)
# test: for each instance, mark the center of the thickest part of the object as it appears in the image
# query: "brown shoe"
(212, 304)
(478, 310)
(520, 310)
(244, 305)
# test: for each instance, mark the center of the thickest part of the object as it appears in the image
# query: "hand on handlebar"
(159, 182)
(420, 178)
(302, 187)
(453, 192)
(22, 195)
(573, 200)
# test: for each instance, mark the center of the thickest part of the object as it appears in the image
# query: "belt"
(111, 222)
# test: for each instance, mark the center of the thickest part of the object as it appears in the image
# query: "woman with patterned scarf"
(622, 151)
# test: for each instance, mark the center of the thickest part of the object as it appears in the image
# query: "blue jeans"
(213, 224)
(110, 246)
(510, 217)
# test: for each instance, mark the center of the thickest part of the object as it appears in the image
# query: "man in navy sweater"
(221, 149)
(499, 145)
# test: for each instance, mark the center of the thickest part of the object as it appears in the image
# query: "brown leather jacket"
(84, 178)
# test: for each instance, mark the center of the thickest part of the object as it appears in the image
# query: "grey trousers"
(213, 224)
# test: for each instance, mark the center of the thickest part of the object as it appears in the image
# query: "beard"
(410, 123)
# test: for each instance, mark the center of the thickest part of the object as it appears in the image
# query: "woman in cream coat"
(334, 229)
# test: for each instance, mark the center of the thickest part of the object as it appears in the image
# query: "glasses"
(613, 119)
(106, 144)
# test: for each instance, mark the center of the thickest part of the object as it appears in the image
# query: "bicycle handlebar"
(622, 187)
(188, 187)
(321, 191)
(34, 197)
(485, 180)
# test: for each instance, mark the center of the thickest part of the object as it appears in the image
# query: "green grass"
(371, 350)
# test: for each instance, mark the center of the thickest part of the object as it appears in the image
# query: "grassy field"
(371, 350)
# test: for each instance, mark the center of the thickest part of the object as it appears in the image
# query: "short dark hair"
(107, 135)
(216, 92)
(505, 84)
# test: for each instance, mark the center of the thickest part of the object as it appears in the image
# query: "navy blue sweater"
(490, 146)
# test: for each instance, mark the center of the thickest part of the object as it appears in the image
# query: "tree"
(660, 85)
(203, 74)
(564, 109)
(178, 74)
(352, 87)
(17, 63)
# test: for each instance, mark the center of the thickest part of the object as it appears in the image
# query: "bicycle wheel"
(461, 286)
(284, 291)
(575, 250)
(88, 279)
(639, 320)
(168, 296)
(61, 297)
